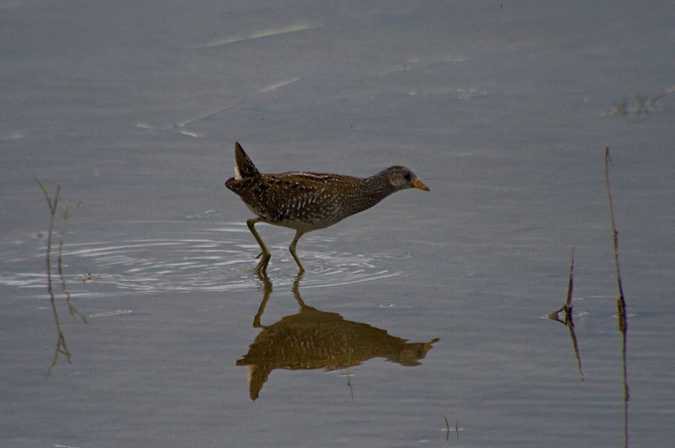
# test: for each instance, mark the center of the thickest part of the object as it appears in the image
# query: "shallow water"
(503, 109)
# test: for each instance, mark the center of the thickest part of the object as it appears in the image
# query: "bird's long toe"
(262, 266)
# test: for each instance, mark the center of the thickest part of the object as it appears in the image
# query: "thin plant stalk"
(568, 321)
(621, 300)
(61, 344)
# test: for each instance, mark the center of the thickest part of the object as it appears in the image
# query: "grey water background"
(503, 109)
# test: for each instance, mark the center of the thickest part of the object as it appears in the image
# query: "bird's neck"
(379, 186)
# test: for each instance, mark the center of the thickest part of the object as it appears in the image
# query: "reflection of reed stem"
(349, 375)
(64, 287)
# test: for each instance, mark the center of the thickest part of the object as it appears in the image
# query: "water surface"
(504, 109)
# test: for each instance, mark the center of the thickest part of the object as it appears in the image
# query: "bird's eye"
(407, 177)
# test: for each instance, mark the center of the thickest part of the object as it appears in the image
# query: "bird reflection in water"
(314, 339)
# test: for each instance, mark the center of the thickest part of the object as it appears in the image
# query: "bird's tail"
(245, 168)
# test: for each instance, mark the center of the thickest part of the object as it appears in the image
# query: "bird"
(307, 201)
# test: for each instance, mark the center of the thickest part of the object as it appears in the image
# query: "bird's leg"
(262, 266)
(298, 234)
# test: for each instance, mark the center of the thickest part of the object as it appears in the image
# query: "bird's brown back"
(305, 200)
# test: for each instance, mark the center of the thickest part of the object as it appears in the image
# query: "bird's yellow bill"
(418, 184)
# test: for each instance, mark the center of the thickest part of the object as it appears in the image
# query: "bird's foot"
(262, 266)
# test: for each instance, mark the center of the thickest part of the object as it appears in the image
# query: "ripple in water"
(212, 259)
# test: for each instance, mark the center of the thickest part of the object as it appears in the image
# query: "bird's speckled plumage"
(307, 201)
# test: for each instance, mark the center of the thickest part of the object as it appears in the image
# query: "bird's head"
(401, 178)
